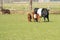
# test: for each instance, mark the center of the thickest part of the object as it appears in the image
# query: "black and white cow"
(42, 12)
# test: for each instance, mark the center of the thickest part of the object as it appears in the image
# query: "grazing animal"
(42, 12)
(29, 17)
(35, 17)
(5, 11)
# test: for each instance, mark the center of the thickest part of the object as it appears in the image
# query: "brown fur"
(29, 17)
(38, 17)
(5, 11)
(32, 15)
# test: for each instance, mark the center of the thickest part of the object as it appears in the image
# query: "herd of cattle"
(39, 13)
(35, 15)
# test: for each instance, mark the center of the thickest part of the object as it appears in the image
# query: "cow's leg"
(38, 17)
(48, 18)
(44, 18)
(36, 20)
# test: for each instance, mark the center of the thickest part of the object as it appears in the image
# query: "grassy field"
(16, 27)
(23, 6)
(53, 6)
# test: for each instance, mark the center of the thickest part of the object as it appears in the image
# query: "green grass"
(16, 27)
(54, 7)
(25, 6)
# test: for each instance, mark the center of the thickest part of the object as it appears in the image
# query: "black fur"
(35, 10)
(45, 14)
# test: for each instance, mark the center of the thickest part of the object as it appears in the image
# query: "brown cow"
(35, 17)
(5, 11)
(31, 16)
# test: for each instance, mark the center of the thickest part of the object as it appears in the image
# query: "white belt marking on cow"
(39, 11)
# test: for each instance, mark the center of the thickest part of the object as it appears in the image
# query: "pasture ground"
(16, 27)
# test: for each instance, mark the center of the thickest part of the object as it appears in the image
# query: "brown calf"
(37, 17)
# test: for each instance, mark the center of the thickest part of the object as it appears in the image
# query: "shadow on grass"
(47, 21)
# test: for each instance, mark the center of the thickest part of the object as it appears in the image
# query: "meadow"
(54, 7)
(16, 27)
(25, 6)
